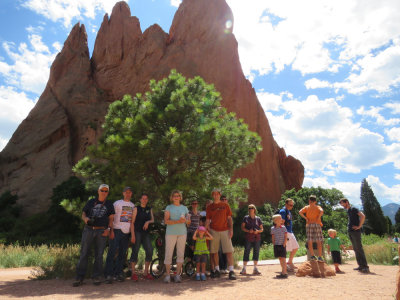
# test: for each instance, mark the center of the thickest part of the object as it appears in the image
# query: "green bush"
(382, 252)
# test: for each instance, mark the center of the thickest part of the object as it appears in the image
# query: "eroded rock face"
(69, 113)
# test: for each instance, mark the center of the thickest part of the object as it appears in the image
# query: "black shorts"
(200, 258)
(279, 251)
(337, 259)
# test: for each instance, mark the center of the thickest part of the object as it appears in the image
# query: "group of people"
(209, 233)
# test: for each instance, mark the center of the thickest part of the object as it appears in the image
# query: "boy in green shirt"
(334, 246)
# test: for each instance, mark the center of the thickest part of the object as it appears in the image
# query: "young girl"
(334, 246)
(201, 252)
(279, 239)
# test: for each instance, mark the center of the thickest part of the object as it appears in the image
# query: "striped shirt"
(279, 234)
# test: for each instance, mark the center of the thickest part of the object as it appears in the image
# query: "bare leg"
(146, 267)
(319, 246)
(198, 267)
(203, 267)
(291, 256)
(311, 248)
(133, 265)
(282, 261)
(167, 269)
(229, 258)
(179, 268)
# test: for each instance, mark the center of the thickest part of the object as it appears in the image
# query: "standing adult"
(220, 224)
(355, 223)
(176, 218)
(223, 262)
(292, 245)
(253, 227)
(141, 219)
(98, 216)
(119, 237)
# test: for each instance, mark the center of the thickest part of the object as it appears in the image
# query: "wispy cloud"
(69, 10)
(322, 36)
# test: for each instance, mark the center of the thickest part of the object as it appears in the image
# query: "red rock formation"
(67, 116)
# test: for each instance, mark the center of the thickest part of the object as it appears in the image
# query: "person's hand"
(146, 225)
(230, 233)
(356, 227)
(112, 235)
(86, 220)
(251, 231)
(133, 239)
(182, 219)
(106, 232)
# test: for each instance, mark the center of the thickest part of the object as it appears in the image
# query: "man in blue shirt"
(292, 244)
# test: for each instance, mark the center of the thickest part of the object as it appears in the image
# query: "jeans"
(355, 238)
(120, 243)
(90, 236)
(256, 250)
(142, 238)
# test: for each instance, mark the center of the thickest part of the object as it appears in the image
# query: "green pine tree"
(176, 136)
(397, 220)
(375, 221)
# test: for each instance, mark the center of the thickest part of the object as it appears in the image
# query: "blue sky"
(327, 74)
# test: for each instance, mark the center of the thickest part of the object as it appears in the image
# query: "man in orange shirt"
(219, 223)
(313, 213)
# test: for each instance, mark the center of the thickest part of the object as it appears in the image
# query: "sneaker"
(282, 276)
(167, 279)
(178, 279)
(148, 277)
(243, 272)
(357, 269)
(256, 272)
(212, 274)
(320, 259)
(197, 277)
(96, 281)
(77, 282)
(120, 278)
(134, 277)
(364, 270)
(313, 257)
(232, 275)
(109, 279)
(290, 269)
(224, 271)
(217, 274)
(203, 277)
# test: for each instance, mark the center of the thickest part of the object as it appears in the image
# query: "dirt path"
(380, 284)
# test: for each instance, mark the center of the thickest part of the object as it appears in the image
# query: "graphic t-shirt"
(334, 244)
(175, 213)
(99, 211)
(218, 213)
(123, 215)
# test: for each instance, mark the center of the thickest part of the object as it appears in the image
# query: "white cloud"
(383, 192)
(30, 68)
(394, 107)
(14, 105)
(175, 2)
(68, 10)
(393, 134)
(397, 176)
(323, 135)
(315, 83)
(374, 112)
(320, 35)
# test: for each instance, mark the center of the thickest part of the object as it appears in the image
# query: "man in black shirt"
(356, 221)
(98, 215)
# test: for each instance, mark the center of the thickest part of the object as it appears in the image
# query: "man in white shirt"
(119, 237)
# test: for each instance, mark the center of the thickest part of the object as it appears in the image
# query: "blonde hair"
(274, 217)
(175, 192)
(333, 231)
(253, 206)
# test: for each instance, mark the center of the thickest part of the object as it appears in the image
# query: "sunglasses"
(251, 208)
(104, 191)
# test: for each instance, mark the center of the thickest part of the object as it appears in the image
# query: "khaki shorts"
(220, 237)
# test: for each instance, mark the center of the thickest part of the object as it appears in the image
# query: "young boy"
(334, 246)
(279, 239)
(313, 213)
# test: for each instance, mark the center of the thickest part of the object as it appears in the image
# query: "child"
(334, 246)
(279, 239)
(313, 213)
(201, 252)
